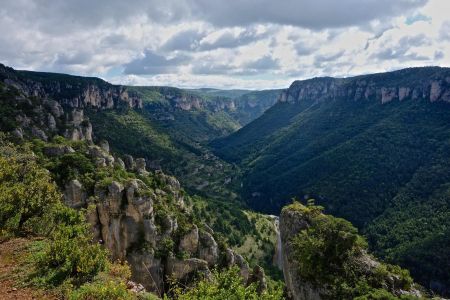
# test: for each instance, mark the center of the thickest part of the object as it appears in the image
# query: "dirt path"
(12, 260)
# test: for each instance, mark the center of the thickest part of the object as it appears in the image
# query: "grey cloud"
(153, 63)
(438, 55)
(261, 65)
(73, 58)
(61, 17)
(229, 40)
(314, 14)
(264, 63)
(184, 40)
(401, 51)
(444, 32)
(319, 60)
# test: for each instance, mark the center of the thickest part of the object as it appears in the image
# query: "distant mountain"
(372, 149)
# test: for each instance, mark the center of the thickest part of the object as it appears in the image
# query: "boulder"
(104, 145)
(189, 242)
(148, 270)
(129, 162)
(179, 269)
(74, 194)
(258, 276)
(208, 249)
(140, 166)
(58, 150)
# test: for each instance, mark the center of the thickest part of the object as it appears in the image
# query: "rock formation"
(433, 86)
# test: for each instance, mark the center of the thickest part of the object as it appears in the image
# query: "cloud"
(402, 51)
(187, 40)
(245, 42)
(153, 63)
(231, 40)
(314, 14)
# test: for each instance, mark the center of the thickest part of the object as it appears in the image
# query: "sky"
(250, 44)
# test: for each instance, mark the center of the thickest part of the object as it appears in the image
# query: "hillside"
(372, 149)
(89, 203)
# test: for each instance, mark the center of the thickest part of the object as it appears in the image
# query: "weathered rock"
(189, 242)
(120, 163)
(258, 276)
(140, 166)
(129, 162)
(243, 266)
(74, 194)
(208, 249)
(180, 269)
(58, 150)
(148, 270)
(38, 133)
(104, 145)
(18, 133)
(292, 222)
(51, 122)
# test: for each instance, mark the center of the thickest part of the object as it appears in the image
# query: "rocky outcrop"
(74, 194)
(294, 220)
(189, 242)
(291, 223)
(432, 83)
(124, 218)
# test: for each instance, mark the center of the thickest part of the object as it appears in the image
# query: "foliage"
(331, 255)
(384, 167)
(108, 285)
(27, 192)
(226, 285)
(70, 253)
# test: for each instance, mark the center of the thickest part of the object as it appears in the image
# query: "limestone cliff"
(432, 84)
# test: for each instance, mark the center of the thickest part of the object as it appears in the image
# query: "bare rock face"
(208, 249)
(58, 150)
(120, 163)
(179, 269)
(140, 166)
(129, 162)
(292, 222)
(432, 84)
(148, 270)
(189, 242)
(104, 145)
(39, 133)
(258, 276)
(74, 194)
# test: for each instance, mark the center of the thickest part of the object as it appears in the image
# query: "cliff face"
(291, 223)
(433, 84)
(142, 225)
(70, 91)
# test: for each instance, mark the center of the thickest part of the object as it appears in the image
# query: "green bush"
(70, 253)
(226, 284)
(329, 253)
(27, 192)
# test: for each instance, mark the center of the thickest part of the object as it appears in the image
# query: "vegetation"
(333, 256)
(382, 167)
(226, 285)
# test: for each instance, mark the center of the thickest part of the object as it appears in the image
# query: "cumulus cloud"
(152, 63)
(223, 43)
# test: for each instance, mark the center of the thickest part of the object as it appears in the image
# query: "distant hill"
(372, 149)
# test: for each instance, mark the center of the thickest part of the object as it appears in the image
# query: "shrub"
(226, 285)
(27, 192)
(70, 253)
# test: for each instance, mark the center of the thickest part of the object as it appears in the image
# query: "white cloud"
(194, 43)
